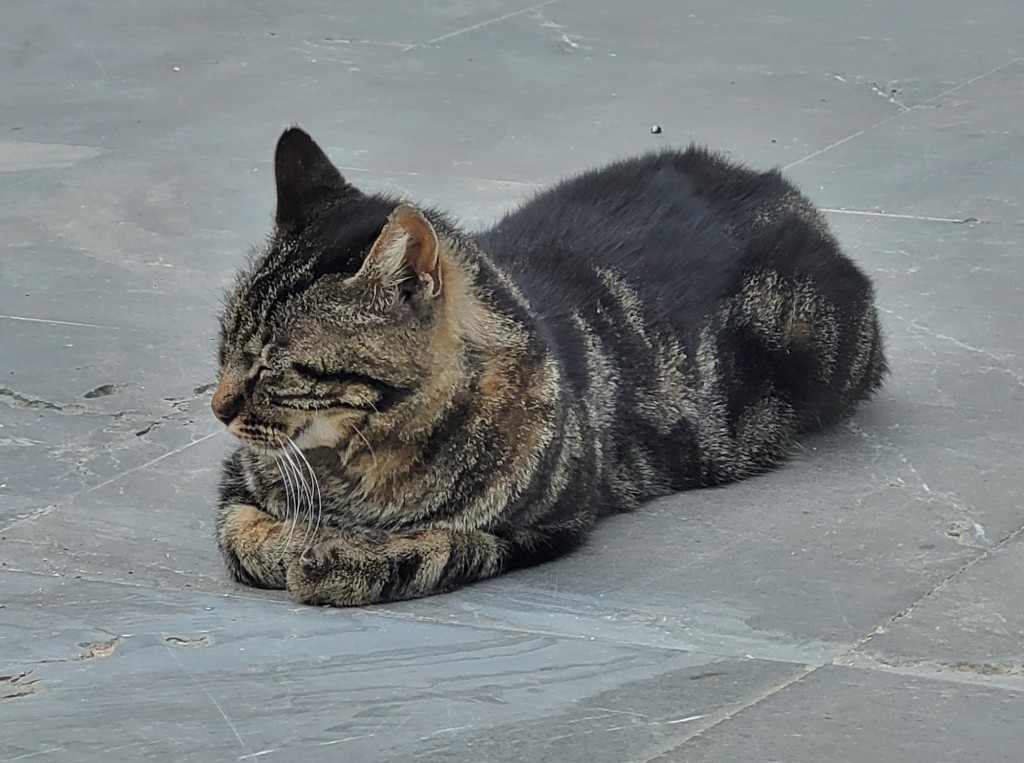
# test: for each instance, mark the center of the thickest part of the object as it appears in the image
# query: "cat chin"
(323, 432)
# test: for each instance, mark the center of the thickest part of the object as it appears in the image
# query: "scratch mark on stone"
(622, 712)
(210, 697)
(447, 730)
(487, 23)
(153, 461)
(925, 104)
(346, 739)
(373, 733)
(37, 753)
(56, 323)
(259, 754)
(897, 216)
(169, 454)
(687, 719)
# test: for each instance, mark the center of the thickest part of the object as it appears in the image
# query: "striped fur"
(418, 408)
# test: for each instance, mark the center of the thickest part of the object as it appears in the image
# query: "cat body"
(419, 408)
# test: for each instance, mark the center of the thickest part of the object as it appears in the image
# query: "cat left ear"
(307, 182)
(407, 252)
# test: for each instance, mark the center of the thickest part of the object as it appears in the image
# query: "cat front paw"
(252, 544)
(342, 572)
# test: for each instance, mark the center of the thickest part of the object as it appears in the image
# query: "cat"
(418, 408)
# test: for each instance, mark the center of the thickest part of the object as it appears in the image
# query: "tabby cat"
(418, 408)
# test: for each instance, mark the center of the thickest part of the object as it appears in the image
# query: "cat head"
(346, 317)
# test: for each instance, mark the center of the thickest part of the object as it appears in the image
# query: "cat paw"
(341, 572)
(243, 519)
(249, 541)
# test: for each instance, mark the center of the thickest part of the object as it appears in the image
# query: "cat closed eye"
(314, 373)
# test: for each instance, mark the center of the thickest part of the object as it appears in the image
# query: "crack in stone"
(916, 329)
(921, 490)
(17, 686)
(18, 400)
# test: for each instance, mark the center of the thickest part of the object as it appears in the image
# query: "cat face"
(340, 321)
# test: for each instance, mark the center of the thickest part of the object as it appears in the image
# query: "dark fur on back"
(419, 408)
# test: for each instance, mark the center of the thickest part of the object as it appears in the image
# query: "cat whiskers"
(314, 493)
(302, 491)
(291, 503)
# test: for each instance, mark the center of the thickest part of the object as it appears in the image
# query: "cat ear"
(306, 180)
(406, 251)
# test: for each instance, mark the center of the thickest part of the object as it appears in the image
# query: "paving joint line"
(728, 713)
(944, 583)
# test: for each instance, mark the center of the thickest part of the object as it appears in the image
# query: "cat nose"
(227, 401)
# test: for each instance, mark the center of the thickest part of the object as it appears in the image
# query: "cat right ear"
(307, 182)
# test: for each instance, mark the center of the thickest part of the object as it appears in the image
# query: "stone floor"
(860, 605)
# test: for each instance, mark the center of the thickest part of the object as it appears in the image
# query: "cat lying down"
(418, 407)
